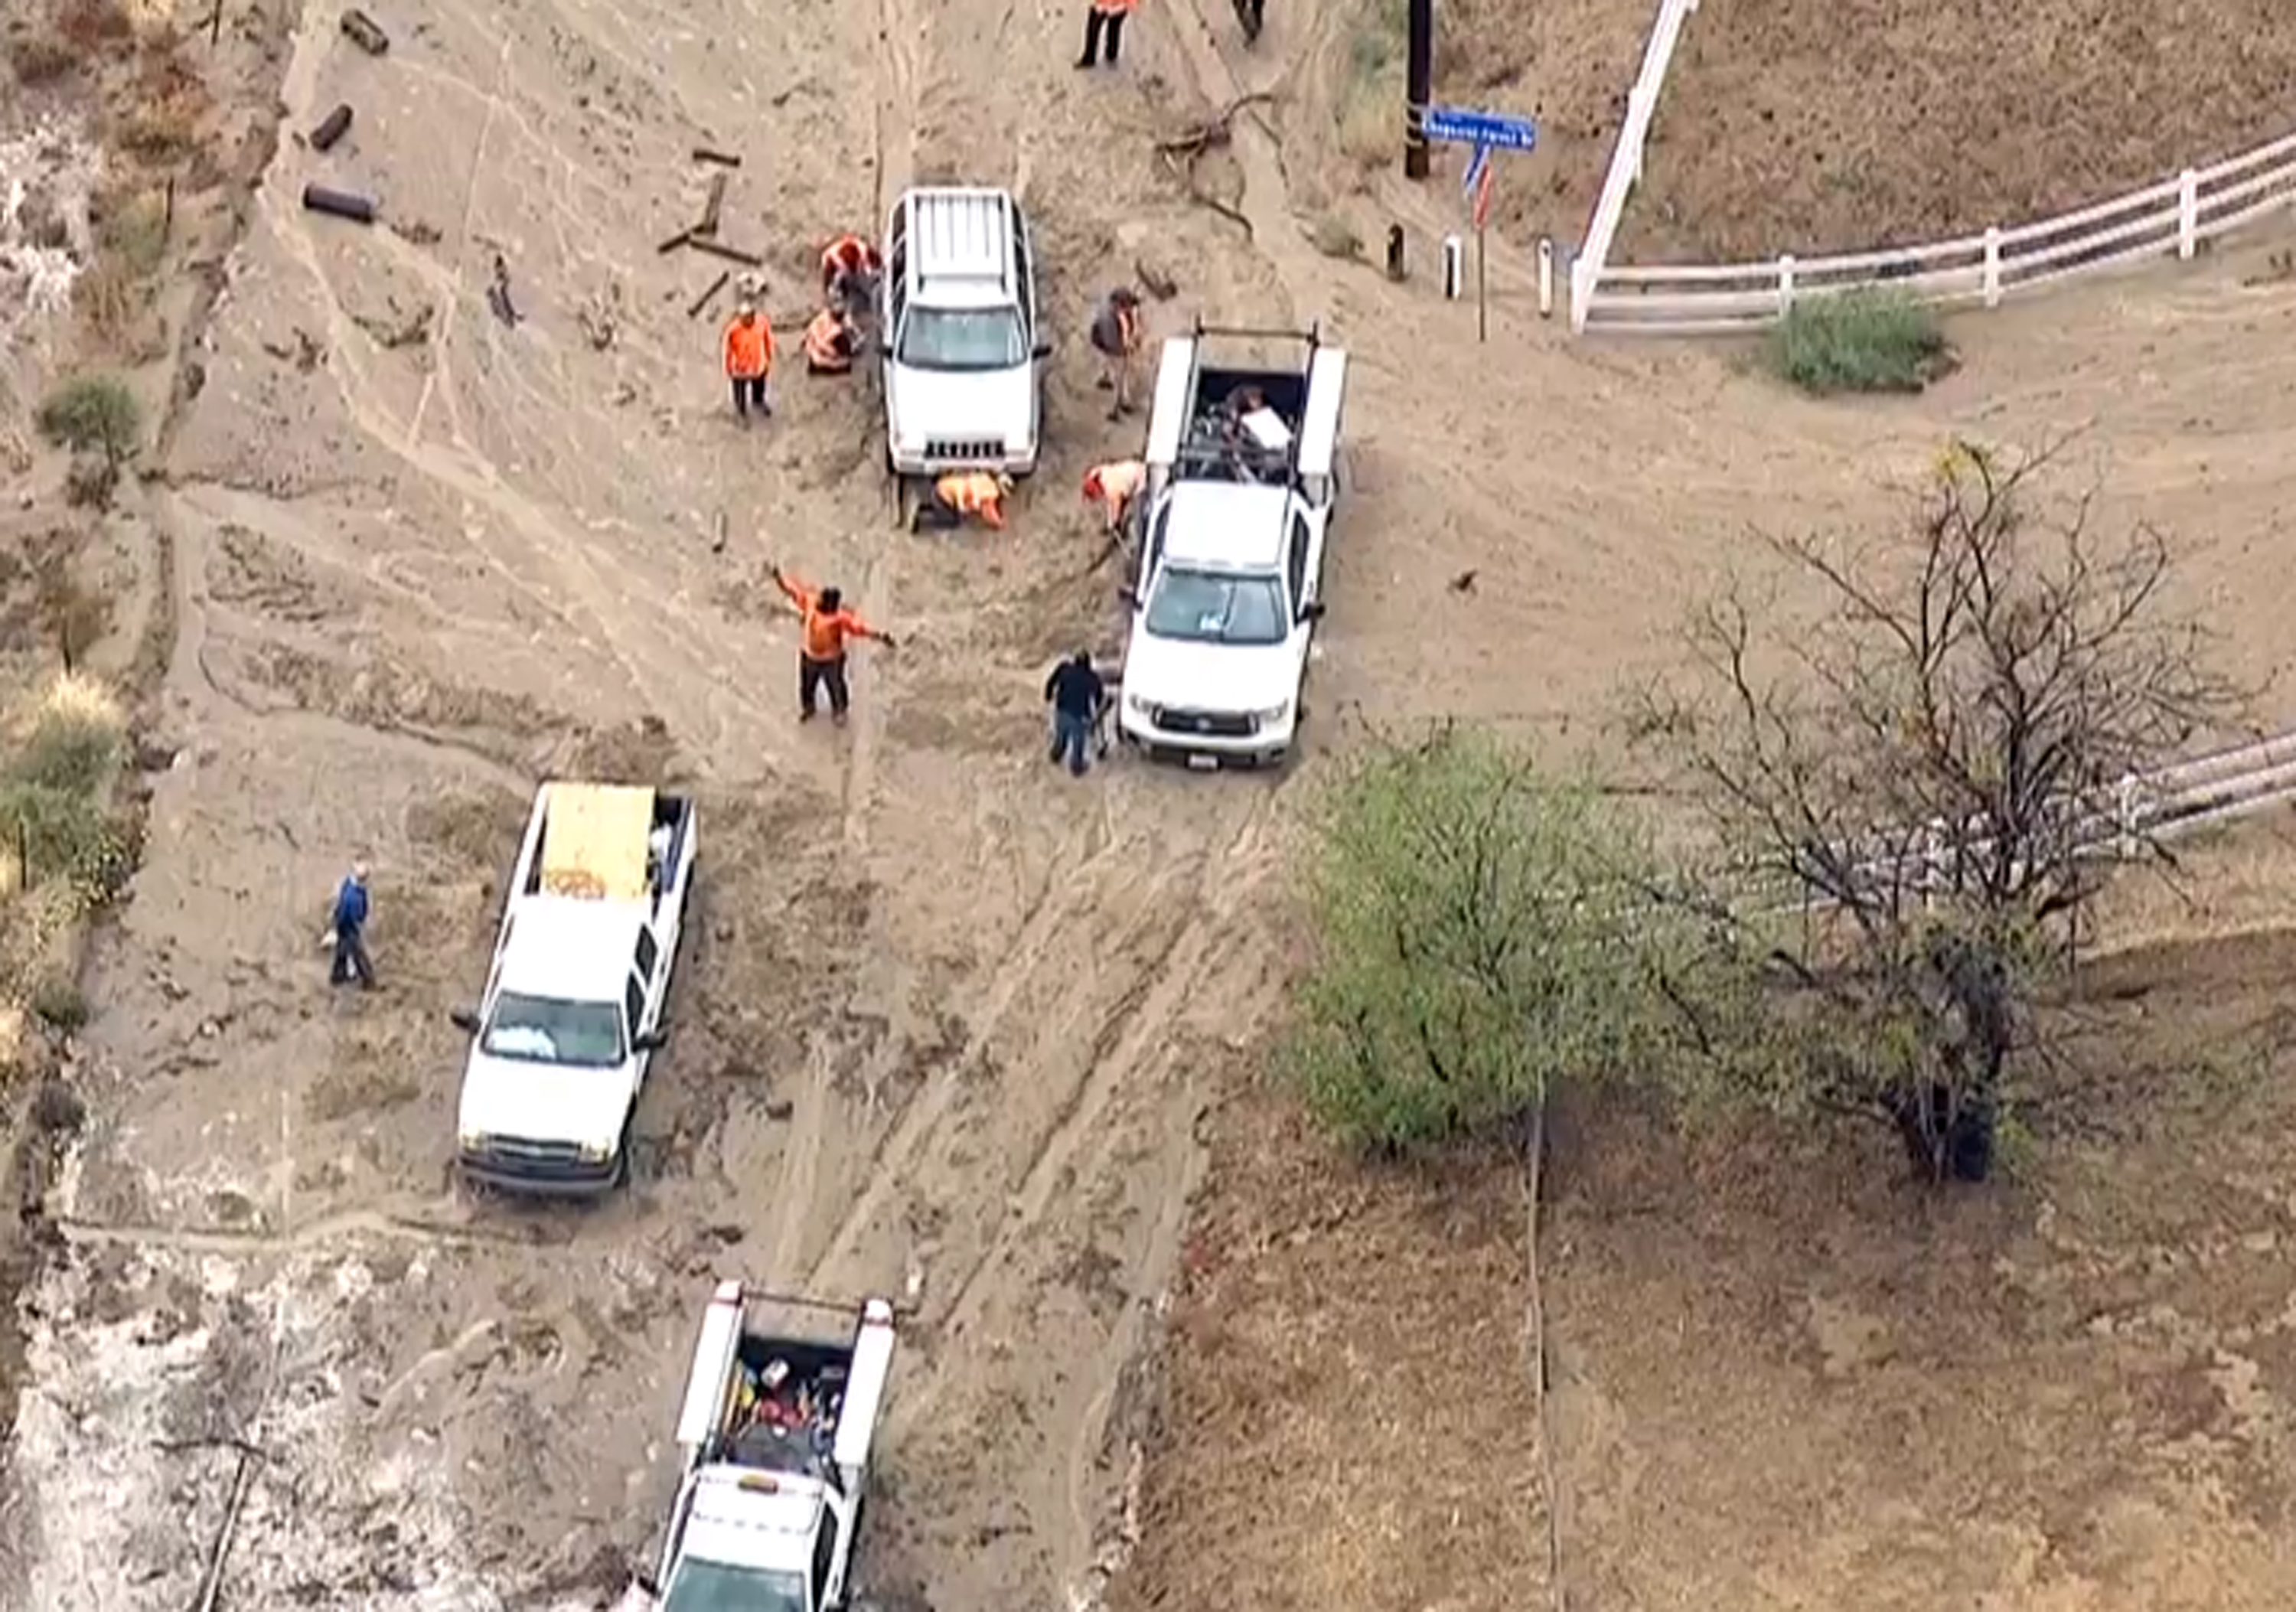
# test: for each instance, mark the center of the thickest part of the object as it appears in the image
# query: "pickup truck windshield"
(545, 1030)
(699, 1586)
(962, 339)
(1207, 607)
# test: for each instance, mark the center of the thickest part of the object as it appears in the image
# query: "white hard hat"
(775, 1374)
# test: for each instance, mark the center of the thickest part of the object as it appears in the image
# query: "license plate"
(1203, 763)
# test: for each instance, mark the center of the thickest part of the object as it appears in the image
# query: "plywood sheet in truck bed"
(594, 842)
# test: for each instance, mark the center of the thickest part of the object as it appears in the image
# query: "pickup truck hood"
(961, 405)
(545, 1102)
(1208, 676)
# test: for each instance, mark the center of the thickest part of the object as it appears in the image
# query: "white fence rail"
(2143, 809)
(1626, 170)
(2175, 215)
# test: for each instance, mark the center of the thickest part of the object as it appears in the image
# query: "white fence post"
(1993, 266)
(2124, 812)
(1546, 276)
(2188, 213)
(1785, 285)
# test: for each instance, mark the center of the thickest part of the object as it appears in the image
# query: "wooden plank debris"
(731, 254)
(366, 32)
(708, 292)
(711, 207)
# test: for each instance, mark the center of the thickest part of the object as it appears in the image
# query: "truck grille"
(1215, 724)
(982, 451)
(523, 1159)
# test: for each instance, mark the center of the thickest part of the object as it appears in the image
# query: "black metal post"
(1418, 88)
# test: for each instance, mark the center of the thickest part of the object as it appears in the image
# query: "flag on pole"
(1483, 188)
(1477, 165)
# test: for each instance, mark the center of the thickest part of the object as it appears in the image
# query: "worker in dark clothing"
(1075, 692)
(349, 925)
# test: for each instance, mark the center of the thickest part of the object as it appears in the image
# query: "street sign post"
(1486, 131)
(1482, 221)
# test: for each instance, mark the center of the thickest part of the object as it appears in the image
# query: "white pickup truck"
(775, 1434)
(572, 1013)
(1243, 476)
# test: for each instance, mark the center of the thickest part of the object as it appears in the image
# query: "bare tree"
(1933, 762)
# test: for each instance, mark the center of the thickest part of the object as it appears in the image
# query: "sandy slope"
(414, 573)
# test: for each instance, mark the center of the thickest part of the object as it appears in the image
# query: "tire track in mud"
(893, 140)
(1149, 1005)
(887, 1170)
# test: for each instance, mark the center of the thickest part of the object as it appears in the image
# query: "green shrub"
(67, 836)
(94, 414)
(1477, 936)
(70, 753)
(1859, 341)
(58, 1001)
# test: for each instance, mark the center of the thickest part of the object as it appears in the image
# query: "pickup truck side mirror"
(1044, 349)
(464, 1020)
(1130, 595)
(652, 1041)
(1312, 611)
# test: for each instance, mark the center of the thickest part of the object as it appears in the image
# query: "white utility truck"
(572, 1013)
(962, 348)
(1243, 479)
(775, 1434)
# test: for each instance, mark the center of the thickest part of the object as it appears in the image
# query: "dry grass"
(42, 58)
(1348, 1417)
(159, 132)
(2239, 882)
(88, 25)
(1372, 96)
(115, 297)
(80, 701)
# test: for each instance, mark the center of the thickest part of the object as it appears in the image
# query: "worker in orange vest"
(1113, 487)
(831, 342)
(962, 493)
(1117, 334)
(826, 626)
(1106, 18)
(847, 266)
(749, 361)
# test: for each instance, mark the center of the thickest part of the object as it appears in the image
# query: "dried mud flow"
(946, 1025)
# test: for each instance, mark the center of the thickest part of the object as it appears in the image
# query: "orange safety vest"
(1116, 8)
(829, 343)
(749, 348)
(972, 492)
(1115, 485)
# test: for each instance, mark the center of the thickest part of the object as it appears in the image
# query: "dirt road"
(944, 1024)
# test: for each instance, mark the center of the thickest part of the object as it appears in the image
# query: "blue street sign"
(1476, 165)
(1463, 127)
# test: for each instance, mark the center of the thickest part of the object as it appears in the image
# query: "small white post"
(1785, 285)
(1993, 266)
(2188, 213)
(1546, 276)
(1635, 98)
(1454, 267)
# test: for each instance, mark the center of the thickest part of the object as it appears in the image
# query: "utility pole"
(1419, 87)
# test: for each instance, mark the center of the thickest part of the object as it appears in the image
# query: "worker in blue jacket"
(348, 927)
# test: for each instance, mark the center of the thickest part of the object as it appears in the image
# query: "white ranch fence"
(1626, 169)
(2143, 809)
(2176, 215)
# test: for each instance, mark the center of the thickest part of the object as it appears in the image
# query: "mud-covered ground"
(952, 1020)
